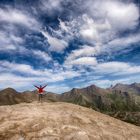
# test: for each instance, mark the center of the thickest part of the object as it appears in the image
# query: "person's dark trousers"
(40, 96)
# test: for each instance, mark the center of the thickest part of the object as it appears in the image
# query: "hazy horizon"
(68, 89)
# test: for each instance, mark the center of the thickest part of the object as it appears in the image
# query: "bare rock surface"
(61, 121)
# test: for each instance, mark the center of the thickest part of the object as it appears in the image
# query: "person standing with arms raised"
(40, 92)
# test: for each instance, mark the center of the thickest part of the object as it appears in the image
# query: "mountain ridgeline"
(121, 101)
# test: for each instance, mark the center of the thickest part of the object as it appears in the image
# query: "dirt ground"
(61, 121)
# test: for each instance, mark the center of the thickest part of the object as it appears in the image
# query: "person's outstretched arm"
(44, 86)
(36, 86)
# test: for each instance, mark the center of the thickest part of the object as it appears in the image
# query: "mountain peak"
(118, 85)
(75, 89)
(93, 85)
(135, 84)
(9, 90)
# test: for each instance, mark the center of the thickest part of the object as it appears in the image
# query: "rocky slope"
(133, 88)
(115, 101)
(104, 100)
(91, 96)
(10, 96)
(61, 121)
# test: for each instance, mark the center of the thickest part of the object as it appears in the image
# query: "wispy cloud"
(50, 6)
(49, 74)
(117, 68)
(9, 41)
(57, 45)
(84, 61)
(14, 16)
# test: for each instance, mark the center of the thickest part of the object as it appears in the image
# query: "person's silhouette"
(40, 92)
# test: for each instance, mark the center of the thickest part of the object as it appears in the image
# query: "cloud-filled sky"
(69, 43)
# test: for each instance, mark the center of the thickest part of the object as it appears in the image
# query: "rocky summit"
(61, 121)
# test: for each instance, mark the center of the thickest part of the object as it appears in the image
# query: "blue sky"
(69, 43)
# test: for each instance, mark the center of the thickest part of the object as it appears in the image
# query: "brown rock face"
(61, 121)
(133, 88)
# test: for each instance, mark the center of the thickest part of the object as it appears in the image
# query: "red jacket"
(40, 89)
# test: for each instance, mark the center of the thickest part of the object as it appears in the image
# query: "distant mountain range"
(121, 101)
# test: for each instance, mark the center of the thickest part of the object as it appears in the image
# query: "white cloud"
(102, 22)
(85, 27)
(49, 75)
(117, 68)
(26, 83)
(84, 56)
(63, 26)
(111, 67)
(84, 51)
(88, 30)
(67, 30)
(85, 61)
(51, 6)
(7, 77)
(56, 88)
(9, 41)
(91, 30)
(14, 81)
(125, 41)
(23, 68)
(105, 83)
(116, 45)
(18, 17)
(42, 55)
(10, 38)
(119, 44)
(57, 45)
(121, 15)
